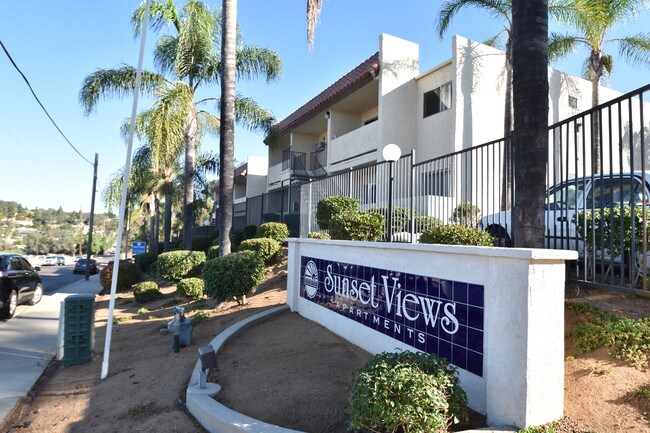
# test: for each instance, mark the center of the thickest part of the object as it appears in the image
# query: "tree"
(190, 58)
(530, 102)
(227, 136)
(593, 19)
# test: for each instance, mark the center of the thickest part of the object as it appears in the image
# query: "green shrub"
(145, 260)
(237, 274)
(456, 235)
(146, 291)
(424, 222)
(267, 248)
(293, 224)
(192, 288)
(128, 275)
(277, 231)
(357, 226)
(401, 218)
(318, 235)
(213, 252)
(236, 238)
(328, 207)
(250, 231)
(465, 214)
(153, 269)
(604, 227)
(201, 243)
(176, 265)
(405, 391)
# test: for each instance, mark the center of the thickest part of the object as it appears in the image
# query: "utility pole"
(92, 218)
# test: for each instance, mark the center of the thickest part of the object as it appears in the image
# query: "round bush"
(401, 218)
(456, 235)
(466, 214)
(145, 260)
(191, 288)
(406, 391)
(146, 291)
(153, 269)
(318, 235)
(250, 231)
(356, 226)
(331, 206)
(237, 274)
(424, 222)
(267, 248)
(176, 265)
(128, 274)
(277, 231)
(213, 252)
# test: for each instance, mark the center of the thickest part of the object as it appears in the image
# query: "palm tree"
(530, 103)
(227, 136)
(190, 58)
(593, 19)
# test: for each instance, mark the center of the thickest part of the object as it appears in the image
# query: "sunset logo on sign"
(311, 279)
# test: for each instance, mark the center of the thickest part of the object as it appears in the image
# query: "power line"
(39, 103)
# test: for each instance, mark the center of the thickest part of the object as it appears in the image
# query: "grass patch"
(143, 310)
(643, 392)
(539, 429)
(626, 339)
(199, 317)
(120, 319)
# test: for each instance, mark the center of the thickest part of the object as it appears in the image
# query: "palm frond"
(496, 40)
(120, 82)
(195, 39)
(313, 13)
(255, 62)
(496, 9)
(635, 49)
(161, 14)
(560, 46)
(251, 116)
(208, 122)
(608, 64)
(164, 56)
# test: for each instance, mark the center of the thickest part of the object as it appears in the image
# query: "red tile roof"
(367, 69)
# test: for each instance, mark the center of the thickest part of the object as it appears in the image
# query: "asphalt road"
(55, 277)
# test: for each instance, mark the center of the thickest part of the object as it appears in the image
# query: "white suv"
(564, 200)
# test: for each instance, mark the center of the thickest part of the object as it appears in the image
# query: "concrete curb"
(217, 418)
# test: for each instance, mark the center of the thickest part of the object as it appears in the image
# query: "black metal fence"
(598, 180)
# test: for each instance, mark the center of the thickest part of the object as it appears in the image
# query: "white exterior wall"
(357, 142)
(399, 64)
(258, 167)
(523, 365)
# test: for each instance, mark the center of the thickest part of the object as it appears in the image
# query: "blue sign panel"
(431, 314)
(139, 247)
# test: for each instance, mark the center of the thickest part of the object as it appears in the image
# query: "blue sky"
(57, 44)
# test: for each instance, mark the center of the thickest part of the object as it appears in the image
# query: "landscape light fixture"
(391, 153)
(328, 114)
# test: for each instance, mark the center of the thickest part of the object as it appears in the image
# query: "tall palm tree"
(530, 103)
(227, 136)
(593, 20)
(190, 58)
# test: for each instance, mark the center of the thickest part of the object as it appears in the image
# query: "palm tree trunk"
(167, 228)
(506, 184)
(530, 99)
(188, 202)
(152, 224)
(227, 132)
(595, 72)
(156, 232)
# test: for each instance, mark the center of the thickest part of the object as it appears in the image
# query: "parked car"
(566, 199)
(80, 266)
(19, 284)
(60, 260)
(49, 260)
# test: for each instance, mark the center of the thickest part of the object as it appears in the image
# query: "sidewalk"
(28, 342)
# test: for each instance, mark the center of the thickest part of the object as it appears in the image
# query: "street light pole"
(391, 153)
(92, 219)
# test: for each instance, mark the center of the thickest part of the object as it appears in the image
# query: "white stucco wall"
(522, 382)
(357, 142)
(258, 167)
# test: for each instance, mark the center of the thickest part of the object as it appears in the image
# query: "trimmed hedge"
(128, 275)
(277, 231)
(357, 226)
(407, 392)
(267, 248)
(456, 235)
(192, 288)
(465, 214)
(145, 260)
(250, 231)
(401, 218)
(201, 243)
(424, 222)
(213, 252)
(328, 207)
(176, 265)
(318, 235)
(146, 291)
(237, 274)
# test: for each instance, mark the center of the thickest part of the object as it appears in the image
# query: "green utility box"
(77, 329)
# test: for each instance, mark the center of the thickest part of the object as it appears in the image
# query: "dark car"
(80, 266)
(19, 284)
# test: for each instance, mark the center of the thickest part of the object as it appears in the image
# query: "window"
(564, 196)
(435, 183)
(437, 100)
(614, 192)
